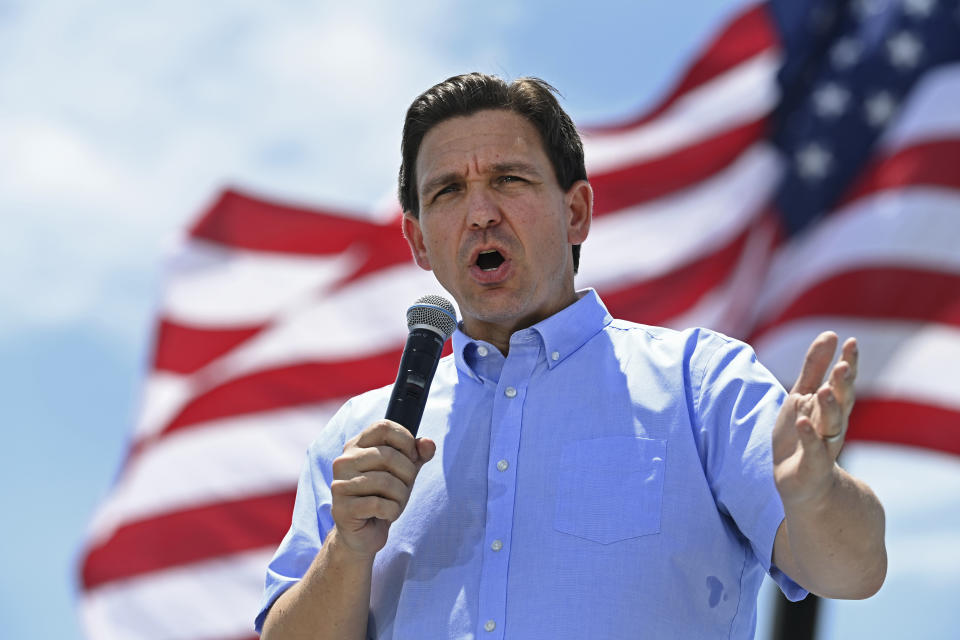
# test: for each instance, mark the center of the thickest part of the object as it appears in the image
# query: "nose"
(482, 210)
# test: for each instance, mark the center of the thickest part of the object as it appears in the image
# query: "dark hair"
(469, 93)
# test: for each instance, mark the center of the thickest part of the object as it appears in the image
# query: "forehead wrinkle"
(485, 151)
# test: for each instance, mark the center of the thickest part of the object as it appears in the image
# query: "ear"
(579, 201)
(414, 236)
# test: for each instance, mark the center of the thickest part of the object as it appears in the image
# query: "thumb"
(426, 449)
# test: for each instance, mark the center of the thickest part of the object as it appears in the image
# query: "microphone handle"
(417, 366)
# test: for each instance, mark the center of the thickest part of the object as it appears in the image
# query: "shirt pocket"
(610, 489)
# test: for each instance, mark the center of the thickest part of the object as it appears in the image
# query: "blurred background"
(122, 122)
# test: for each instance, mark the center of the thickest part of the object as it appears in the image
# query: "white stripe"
(740, 95)
(911, 227)
(929, 113)
(212, 463)
(164, 395)
(366, 317)
(209, 285)
(213, 599)
(900, 360)
(656, 237)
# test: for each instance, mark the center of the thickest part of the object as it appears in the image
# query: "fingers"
(829, 417)
(835, 399)
(351, 513)
(809, 438)
(389, 433)
(374, 476)
(851, 354)
(377, 494)
(816, 362)
(845, 371)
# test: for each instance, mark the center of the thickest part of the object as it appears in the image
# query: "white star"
(919, 8)
(863, 9)
(830, 100)
(904, 50)
(846, 53)
(879, 108)
(813, 161)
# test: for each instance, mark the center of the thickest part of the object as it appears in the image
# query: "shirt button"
(497, 545)
(502, 465)
(489, 625)
(482, 351)
(555, 355)
(510, 392)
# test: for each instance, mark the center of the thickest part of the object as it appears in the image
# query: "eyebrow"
(515, 167)
(435, 183)
(501, 167)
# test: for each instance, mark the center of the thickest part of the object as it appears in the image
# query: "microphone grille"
(435, 312)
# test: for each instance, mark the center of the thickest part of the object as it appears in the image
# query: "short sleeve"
(311, 520)
(737, 407)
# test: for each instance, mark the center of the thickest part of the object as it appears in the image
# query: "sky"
(121, 121)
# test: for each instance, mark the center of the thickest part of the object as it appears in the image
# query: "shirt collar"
(562, 333)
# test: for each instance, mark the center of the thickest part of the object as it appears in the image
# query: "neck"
(497, 332)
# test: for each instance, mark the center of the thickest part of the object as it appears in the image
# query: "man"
(576, 476)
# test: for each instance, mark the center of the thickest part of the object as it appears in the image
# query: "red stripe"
(746, 35)
(245, 222)
(905, 422)
(657, 300)
(935, 164)
(896, 293)
(183, 349)
(238, 220)
(292, 385)
(634, 184)
(187, 536)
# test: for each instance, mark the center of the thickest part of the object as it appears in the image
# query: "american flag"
(804, 174)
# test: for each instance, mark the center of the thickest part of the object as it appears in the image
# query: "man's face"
(495, 226)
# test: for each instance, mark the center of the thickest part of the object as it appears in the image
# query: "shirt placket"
(505, 429)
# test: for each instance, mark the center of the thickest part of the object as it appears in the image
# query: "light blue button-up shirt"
(604, 480)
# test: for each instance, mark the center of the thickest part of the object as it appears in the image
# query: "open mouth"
(489, 260)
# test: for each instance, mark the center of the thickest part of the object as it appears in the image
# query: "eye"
(509, 179)
(450, 188)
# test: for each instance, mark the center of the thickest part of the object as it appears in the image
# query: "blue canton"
(848, 67)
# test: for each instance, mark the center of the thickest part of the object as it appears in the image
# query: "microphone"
(431, 320)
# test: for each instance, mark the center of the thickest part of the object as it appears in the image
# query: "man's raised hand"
(812, 424)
